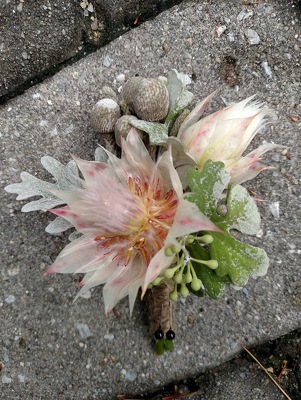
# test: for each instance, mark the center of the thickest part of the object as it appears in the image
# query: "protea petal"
(196, 113)
(159, 263)
(249, 167)
(125, 211)
(250, 173)
(82, 251)
(188, 219)
(89, 169)
(95, 278)
(135, 156)
(225, 135)
(126, 282)
(167, 169)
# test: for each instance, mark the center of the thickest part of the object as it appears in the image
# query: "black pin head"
(170, 335)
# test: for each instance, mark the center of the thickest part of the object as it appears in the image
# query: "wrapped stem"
(161, 309)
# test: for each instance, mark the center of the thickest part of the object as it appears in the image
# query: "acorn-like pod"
(130, 89)
(148, 98)
(104, 116)
(122, 127)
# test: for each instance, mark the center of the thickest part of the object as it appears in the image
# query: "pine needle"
(267, 372)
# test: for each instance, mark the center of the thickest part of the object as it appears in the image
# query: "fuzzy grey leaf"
(30, 186)
(43, 204)
(100, 154)
(74, 235)
(58, 225)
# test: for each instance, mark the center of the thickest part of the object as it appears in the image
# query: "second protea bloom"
(128, 210)
(225, 135)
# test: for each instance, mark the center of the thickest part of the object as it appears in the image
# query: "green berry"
(176, 249)
(169, 273)
(196, 284)
(178, 277)
(174, 294)
(184, 291)
(212, 264)
(169, 252)
(206, 239)
(189, 240)
(158, 281)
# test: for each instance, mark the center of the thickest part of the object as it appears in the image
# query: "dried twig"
(268, 374)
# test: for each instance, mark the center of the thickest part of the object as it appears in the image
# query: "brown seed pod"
(151, 101)
(148, 98)
(108, 92)
(104, 116)
(122, 127)
(161, 309)
(131, 88)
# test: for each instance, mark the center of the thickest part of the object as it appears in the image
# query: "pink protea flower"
(128, 211)
(225, 135)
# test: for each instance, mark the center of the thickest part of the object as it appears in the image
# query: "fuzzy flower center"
(148, 227)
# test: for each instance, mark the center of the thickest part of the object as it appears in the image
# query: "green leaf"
(207, 186)
(158, 133)
(236, 259)
(213, 284)
(242, 212)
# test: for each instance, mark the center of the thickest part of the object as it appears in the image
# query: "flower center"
(149, 226)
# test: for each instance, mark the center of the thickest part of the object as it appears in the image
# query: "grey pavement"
(43, 353)
(37, 36)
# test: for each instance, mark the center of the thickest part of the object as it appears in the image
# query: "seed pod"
(104, 116)
(123, 127)
(108, 92)
(148, 98)
(131, 88)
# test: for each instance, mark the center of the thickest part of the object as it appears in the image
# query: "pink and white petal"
(106, 206)
(117, 167)
(170, 176)
(241, 109)
(196, 138)
(68, 196)
(76, 255)
(121, 283)
(72, 217)
(94, 278)
(189, 219)
(196, 113)
(225, 140)
(90, 169)
(179, 155)
(263, 149)
(137, 282)
(159, 263)
(256, 124)
(135, 157)
(240, 176)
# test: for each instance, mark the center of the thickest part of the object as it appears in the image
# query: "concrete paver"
(40, 342)
(38, 35)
